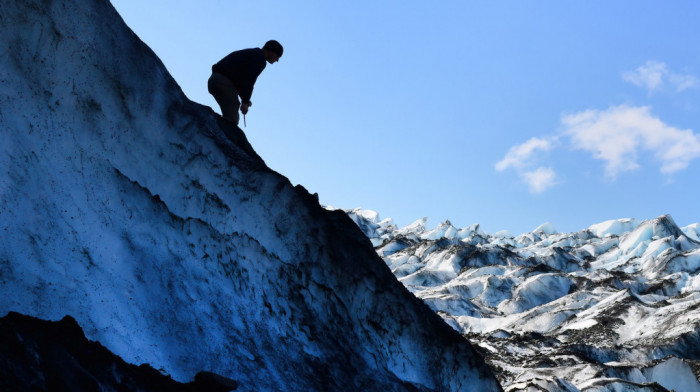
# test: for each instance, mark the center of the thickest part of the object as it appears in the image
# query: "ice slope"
(614, 307)
(124, 205)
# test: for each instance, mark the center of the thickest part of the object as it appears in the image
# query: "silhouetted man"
(235, 76)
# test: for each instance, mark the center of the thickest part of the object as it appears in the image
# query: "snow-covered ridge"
(127, 207)
(615, 306)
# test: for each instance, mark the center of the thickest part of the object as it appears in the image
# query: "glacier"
(156, 226)
(613, 307)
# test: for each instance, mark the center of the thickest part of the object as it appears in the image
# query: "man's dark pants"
(226, 96)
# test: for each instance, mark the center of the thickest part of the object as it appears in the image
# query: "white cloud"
(619, 134)
(521, 155)
(683, 82)
(649, 75)
(655, 75)
(540, 180)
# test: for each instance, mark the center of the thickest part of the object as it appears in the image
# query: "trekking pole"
(244, 124)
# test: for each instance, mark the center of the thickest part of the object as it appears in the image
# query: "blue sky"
(504, 113)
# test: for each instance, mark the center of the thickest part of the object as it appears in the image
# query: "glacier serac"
(126, 206)
(614, 307)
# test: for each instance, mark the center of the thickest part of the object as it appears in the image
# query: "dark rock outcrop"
(38, 355)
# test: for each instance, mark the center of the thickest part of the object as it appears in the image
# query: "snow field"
(616, 299)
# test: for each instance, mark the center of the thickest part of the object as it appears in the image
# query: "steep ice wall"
(124, 205)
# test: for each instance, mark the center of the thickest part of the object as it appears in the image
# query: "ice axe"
(245, 106)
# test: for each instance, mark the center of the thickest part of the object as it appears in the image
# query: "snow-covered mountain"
(125, 206)
(614, 307)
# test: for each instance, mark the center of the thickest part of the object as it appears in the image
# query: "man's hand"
(245, 106)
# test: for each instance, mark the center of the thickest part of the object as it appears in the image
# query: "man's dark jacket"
(243, 68)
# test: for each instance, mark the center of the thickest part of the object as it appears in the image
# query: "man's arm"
(248, 80)
(250, 75)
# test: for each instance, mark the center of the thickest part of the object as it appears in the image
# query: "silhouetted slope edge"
(124, 205)
(38, 355)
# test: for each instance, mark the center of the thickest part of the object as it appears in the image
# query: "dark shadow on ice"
(39, 355)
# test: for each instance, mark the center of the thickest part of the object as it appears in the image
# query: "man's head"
(273, 51)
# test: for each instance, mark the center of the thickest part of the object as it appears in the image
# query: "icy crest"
(613, 227)
(692, 231)
(613, 307)
(546, 228)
